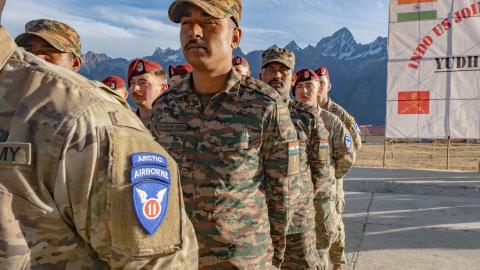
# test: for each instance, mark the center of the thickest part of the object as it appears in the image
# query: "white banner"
(433, 88)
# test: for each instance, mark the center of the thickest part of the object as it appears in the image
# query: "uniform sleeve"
(343, 151)
(319, 158)
(354, 130)
(14, 251)
(281, 166)
(95, 192)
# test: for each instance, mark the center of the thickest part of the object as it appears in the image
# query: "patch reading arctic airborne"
(145, 158)
(151, 172)
(150, 190)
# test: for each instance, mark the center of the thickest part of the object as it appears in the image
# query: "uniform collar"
(329, 102)
(7, 46)
(232, 86)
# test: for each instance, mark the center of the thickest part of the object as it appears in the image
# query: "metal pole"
(384, 151)
(448, 153)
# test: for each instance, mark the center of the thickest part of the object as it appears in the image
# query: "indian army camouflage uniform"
(314, 177)
(338, 247)
(342, 157)
(65, 161)
(237, 158)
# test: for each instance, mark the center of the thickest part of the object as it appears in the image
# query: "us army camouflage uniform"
(314, 178)
(338, 247)
(237, 160)
(64, 173)
(348, 120)
(342, 153)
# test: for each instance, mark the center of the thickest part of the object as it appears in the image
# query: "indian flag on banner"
(416, 10)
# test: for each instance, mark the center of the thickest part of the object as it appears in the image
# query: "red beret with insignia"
(140, 66)
(114, 82)
(323, 71)
(237, 61)
(303, 76)
(182, 69)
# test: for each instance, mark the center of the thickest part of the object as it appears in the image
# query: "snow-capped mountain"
(358, 71)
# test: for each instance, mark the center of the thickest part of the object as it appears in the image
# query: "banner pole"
(448, 153)
(384, 151)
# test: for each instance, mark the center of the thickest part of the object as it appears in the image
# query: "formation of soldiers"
(216, 170)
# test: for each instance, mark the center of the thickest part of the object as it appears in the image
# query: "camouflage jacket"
(66, 154)
(348, 120)
(341, 145)
(314, 174)
(237, 158)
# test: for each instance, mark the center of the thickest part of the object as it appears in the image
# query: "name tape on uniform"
(143, 159)
(15, 153)
(171, 126)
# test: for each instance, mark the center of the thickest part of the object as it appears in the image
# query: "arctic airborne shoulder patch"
(348, 141)
(150, 191)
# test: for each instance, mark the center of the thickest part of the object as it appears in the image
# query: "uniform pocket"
(125, 229)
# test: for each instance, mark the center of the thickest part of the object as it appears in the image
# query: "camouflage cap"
(280, 55)
(216, 8)
(60, 35)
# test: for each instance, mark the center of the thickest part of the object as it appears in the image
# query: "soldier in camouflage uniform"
(307, 89)
(67, 149)
(146, 81)
(54, 42)
(337, 251)
(234, 141)
(301, 253)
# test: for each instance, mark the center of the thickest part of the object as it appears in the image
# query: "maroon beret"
(114, 82)
(323, 71)
(179, 70)
(139, 66)
(237, 61)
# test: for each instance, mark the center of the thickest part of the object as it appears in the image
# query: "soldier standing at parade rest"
(233, 139)
(241, 65)
(176, 74)
(67, 149)
(146, 81)
(52, 41)
(337, 251)
(314, 178)
(117, 85)
(309, 86)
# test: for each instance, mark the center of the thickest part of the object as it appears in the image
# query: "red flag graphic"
(414, 102)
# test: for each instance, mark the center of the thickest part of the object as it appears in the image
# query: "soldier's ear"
(294, 79)
(77, 63)
(236, 37)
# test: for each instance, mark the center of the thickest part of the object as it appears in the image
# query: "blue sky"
(134, 28)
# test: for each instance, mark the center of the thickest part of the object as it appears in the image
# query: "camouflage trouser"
(301, 252)
(337, 250)
(325, 228)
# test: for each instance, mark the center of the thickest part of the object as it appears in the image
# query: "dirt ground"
(432, 156)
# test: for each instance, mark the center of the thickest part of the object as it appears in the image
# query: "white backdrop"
(449, 70)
